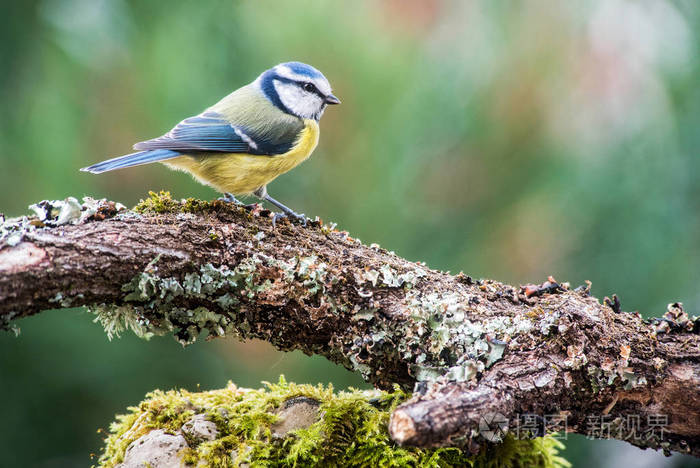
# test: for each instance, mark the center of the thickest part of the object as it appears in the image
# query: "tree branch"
(542, 356)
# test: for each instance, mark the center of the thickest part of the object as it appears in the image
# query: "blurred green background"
(511, 140)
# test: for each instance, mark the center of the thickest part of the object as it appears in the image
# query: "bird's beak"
(330, 99)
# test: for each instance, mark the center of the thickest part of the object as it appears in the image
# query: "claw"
(300, 217)
(275, 217)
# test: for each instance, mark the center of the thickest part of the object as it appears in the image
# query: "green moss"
(352, 430)
(162, 202)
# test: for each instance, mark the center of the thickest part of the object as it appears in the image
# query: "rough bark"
(542, 356)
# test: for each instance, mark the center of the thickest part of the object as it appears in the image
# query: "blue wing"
(133, 159)
(210, 132)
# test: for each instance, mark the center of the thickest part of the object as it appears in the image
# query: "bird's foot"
(286, 212)
(228, 197)
(291, 215)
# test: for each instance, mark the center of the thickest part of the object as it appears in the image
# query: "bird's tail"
(133, 159)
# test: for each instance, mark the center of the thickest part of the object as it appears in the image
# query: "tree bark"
(479, 355)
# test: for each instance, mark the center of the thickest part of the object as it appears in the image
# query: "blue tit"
(247, 139)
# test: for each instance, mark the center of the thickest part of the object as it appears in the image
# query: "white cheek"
(303, 104)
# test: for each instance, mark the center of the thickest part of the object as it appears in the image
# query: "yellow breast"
(242, 174)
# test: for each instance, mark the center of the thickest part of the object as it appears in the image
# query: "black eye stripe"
(301, 84)
(311, 88)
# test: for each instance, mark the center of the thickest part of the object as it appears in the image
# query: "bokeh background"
(511, 140)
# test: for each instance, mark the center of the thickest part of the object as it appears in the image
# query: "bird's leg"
(286, 211)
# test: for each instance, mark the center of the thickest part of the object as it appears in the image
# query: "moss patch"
(351, 431)
(162, 202)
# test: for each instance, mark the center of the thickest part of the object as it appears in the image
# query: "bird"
(247, 139)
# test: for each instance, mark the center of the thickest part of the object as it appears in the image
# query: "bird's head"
(298, 89)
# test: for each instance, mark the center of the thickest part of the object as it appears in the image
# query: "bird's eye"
(309, 87)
